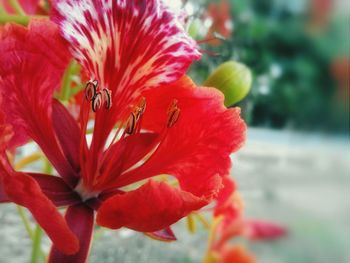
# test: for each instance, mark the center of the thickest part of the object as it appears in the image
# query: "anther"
(135, 116)
(131, 124)
(97, 101)
(91, 90)
(107, 98)
(140, 109)
(173, 114)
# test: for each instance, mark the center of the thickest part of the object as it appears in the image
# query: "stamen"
(140, 109)
(107, 98)
(91, 90)
(173, 114)
(135, 116)
(131, 124)
(97, 101)
(98, 98)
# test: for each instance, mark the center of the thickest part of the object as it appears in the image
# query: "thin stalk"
(27, 160)
(191, 224)
(36, 249)
(25, 221)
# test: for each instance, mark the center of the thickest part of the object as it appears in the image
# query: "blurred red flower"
(220, 14)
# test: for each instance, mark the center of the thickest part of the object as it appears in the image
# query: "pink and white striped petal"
(128, 46)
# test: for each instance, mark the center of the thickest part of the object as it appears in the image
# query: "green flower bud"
(233, 79)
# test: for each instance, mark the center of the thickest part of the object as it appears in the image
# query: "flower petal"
(3, 197)
(130, 43)
(128, 46)
(25, 191)
(80, 219)
(68, 133)
(56, 189)
(198, 146)
(263, 230)
(152, 207)
(123, 155)
(166, 235)
(32, 62)
(236, 254)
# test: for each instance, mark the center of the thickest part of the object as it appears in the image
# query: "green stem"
(25, 221)
(36, 249)
(17, 7)
(19, 19)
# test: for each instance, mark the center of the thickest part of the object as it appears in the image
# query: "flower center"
(114, 161)
(84, 192)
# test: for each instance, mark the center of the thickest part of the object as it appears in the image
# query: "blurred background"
(295, 166)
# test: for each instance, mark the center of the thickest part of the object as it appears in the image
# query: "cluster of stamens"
(97, 96)
(133, 124)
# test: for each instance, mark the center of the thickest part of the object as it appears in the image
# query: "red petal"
(226, 192)
(56, 189)
(151, 207)
(80, 219)
(236, 254)
(166, 235)
(68, 133)
(25, 191)
(198, 147)
(123, 155)
(227, 203)
(32, 63)
(3, 195)
(128, 46)
(262, 230)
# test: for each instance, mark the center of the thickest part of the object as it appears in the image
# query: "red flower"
(136, 55)
(229, 209)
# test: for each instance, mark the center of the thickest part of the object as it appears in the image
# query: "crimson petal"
(25, 191)
(152, 207)
(197, 148)
(68, 133)
(123, 155)
(56, 189)
(264, 230)
(3, 197)
(166, 235)
(32, 63)
(80, 219)
(128, 46)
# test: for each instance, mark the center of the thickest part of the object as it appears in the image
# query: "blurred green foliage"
(293, 84)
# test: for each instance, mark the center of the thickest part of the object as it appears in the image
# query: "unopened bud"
(233, 79)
